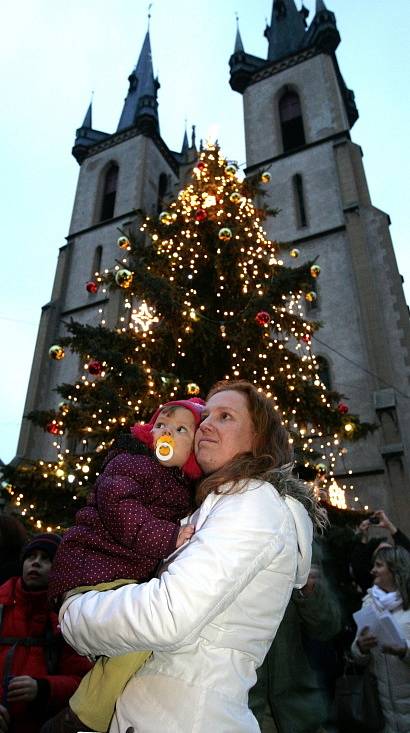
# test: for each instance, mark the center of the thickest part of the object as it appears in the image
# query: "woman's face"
(226, 430)
(383, 577)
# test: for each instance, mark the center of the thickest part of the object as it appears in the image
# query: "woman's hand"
(384, 521)
(22, 689)
(397, 651)
(185, 534)
(366, 640)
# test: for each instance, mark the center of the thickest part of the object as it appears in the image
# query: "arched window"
(109, 192)
(299, 200)
(162, 189)
(324, 371)
(96, 266)
(291, 122)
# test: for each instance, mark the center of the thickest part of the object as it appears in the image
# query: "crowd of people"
(202, 588)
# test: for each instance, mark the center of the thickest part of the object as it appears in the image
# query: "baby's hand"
(185, 534)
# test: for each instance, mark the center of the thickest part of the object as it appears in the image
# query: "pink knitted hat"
(143, 432)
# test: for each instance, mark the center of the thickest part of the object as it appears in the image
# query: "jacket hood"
(307, 514)
(304, 530)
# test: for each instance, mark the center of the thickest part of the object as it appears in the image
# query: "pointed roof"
(286, 31)
(238, 42)
(86, 137)
(141, 100)
(320, 6)
(185, 143)
(88, 117)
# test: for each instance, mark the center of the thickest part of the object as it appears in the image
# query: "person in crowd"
(390, 592)
(295, 680)
(131, 522)
(212, 613)
(361, 559)
(38, 670)
(13, 536)
(398, 537)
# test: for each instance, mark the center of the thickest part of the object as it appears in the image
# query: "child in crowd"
(130, 523)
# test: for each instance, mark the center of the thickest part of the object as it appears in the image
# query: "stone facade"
(140, 163)
(366, 332)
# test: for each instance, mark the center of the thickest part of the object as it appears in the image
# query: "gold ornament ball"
(193, 388)
(311, 296)
(123, 278)
(294, 252)
(315, 270)
(123, 242)
(230, 170)
(266, 177)
(225, 234)
(165, 217)
(235, 197)
(56, 352)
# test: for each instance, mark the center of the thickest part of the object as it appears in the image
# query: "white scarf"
(387, 601)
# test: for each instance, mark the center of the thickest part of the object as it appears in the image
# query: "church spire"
(88, 117)
(320, 6)
(286, 31)
(141, 106)
(238, 40)
(185, 143)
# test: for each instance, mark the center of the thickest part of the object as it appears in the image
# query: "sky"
(56, 55)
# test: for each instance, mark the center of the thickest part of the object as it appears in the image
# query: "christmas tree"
(204, 296)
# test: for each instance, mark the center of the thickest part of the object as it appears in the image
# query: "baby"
(130, 523)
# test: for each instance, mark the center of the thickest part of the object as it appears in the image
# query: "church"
(298, 115)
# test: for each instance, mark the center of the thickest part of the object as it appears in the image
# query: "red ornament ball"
(52, 428)
(262, 318)
(306, 338)
(94, 367)
(343, 409)
(201, 165)
(200, 215)
(91, 286)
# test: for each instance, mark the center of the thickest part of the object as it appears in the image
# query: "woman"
(391, 664)
(211, 616)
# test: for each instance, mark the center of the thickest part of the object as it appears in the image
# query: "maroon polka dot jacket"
(130, 523)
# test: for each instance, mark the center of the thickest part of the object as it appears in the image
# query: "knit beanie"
(47, 542)
(143, 432)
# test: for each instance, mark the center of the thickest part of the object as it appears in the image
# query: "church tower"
(121, 173)
(298, 114)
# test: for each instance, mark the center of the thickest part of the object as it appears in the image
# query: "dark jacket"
(40, 653)
(130, 523)
(286, 680)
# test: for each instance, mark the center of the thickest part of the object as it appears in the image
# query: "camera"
(374, 520)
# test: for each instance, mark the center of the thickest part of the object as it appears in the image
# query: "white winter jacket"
(209, 618)
(393, 676)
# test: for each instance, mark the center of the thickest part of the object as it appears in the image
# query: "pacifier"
(164, 448)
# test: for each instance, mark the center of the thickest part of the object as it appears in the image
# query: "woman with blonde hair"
(212, 613)
(390, 664)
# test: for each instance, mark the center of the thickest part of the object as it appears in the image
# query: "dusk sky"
(55, 54)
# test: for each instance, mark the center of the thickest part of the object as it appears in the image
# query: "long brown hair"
(270, 458)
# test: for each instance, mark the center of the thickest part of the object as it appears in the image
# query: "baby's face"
(179, 423)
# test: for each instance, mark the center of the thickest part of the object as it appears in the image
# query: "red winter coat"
(26, 614)
(130, 523)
